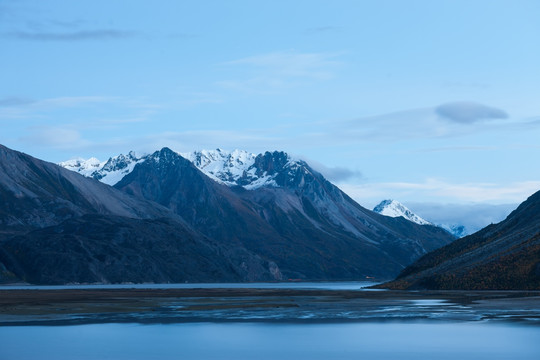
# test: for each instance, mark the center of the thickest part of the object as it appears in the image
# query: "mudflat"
(83, 306)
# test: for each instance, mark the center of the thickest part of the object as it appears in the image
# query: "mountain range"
(204, 216)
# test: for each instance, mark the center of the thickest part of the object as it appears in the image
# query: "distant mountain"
(458, 231)
(463, 219)
(501, 256)
(394, 208)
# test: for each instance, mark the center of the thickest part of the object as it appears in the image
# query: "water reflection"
(270, 341)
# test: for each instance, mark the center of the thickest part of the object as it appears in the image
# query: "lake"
(272, 341)
(326, 285)
(265, 321)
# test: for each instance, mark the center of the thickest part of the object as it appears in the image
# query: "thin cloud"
(473, 216)
(308, 65)
(467, 112)
(333, 173)
(372, 193)
(275, 71)
(15, 101)
(337, 173)
(81, 35)
(423, 123)
(56, 137)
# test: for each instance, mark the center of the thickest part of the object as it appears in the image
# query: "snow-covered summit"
(108, 172)
(242, 168)
(227, 167)
(82, 166)
(394, 208)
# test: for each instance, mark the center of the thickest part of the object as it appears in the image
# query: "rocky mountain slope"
(501, 256)
(287, 213)
(36, 193)
(165, 220)
(57, 226)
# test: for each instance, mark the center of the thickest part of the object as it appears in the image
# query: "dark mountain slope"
(501, 256)
(111, 249)
(303, 223)
(35, 194)
(172, 181)
(57, 226)
(302, 190)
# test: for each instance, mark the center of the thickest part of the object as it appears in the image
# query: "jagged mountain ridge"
(500, 256)
(232, 168)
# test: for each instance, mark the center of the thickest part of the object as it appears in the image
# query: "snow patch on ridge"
(223, 166)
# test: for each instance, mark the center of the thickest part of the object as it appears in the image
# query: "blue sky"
(421, 101)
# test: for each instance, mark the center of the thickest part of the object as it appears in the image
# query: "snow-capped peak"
(394, 208)
(226, 167)
(82, 166)
(108, 172)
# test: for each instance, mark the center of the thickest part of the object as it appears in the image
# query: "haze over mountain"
(394, 208)
(283, 221)
(501, 256)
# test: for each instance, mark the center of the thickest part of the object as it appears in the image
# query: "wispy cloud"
(14, 101)
(80, 35)
(443, 191)
(333, 173)
(268, 72)
(426, 123)
(292, 64)
(55, 136)
(21, 107)
(467, 112)
(252, 140)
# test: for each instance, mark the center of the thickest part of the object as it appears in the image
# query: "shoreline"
(159, 306)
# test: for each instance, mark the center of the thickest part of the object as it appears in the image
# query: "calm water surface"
(335, 285)
(272, 341)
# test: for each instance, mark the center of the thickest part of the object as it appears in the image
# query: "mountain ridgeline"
(200, 217)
